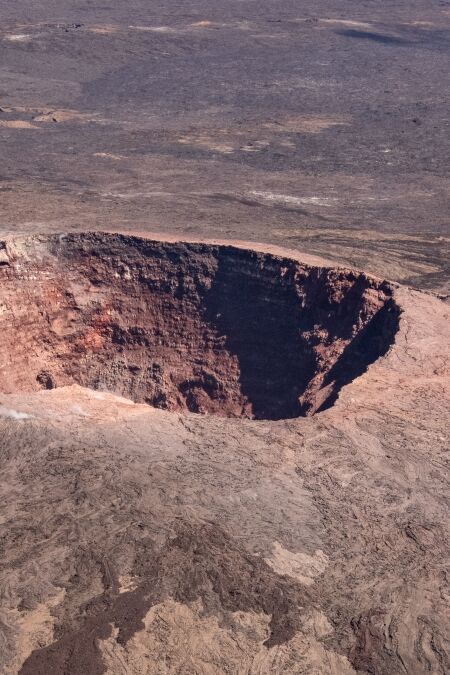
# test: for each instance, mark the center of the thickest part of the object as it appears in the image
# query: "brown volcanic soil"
(302, 527)
(139, 540)
(187, 327)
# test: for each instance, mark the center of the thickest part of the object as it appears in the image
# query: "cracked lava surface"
(256, 537)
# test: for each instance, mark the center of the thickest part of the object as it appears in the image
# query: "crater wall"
(197, 327)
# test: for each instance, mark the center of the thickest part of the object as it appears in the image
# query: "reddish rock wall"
(210, 329)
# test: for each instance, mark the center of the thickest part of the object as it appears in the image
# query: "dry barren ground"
(220, 457)
(138, 540)
(321, 125)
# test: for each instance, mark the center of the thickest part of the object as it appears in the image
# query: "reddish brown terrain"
(224, 337)
(297, 524)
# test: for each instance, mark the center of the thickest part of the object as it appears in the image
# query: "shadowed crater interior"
(205, 328)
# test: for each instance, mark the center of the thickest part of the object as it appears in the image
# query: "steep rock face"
(204, 328)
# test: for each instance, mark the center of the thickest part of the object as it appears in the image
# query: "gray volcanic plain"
(225, 322)
(322, 126)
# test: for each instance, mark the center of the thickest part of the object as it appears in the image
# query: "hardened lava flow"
(186, 327)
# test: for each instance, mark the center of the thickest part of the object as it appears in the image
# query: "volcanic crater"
(205, 328)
